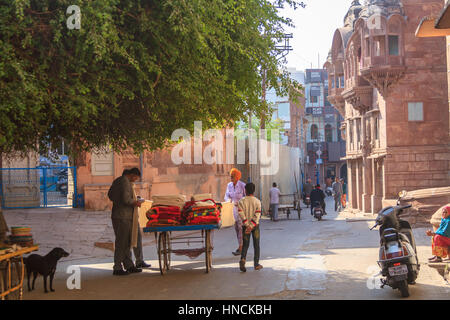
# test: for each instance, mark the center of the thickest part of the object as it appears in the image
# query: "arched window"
(314, 132)
(328, 133)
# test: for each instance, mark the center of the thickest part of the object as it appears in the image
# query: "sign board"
(319, 161)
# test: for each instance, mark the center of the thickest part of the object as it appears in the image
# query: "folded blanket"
(201, 209)
(205, 220)
(162, 222)
(201, 197)
(177, 200)
(169, 212)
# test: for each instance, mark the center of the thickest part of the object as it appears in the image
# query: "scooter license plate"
(398, 271)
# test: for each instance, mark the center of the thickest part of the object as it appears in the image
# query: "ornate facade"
(391, 89)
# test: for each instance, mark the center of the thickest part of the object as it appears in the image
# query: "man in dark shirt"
(319, 196)
(121, 194)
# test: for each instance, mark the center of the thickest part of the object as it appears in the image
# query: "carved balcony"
(337, 100)
(360, 97)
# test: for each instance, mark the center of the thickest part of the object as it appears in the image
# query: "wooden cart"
(12, 272)
(289, 202)
(165, 241)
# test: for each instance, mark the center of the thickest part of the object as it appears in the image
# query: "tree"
(135, 71)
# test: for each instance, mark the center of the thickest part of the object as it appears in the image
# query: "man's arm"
(127, 193)
(256, 215)
(227, 194)
(245, 222)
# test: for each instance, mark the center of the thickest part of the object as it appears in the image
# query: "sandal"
(432, 258)
(436, 260)
(242, 265)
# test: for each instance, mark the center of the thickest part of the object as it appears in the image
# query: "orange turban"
(236, 172)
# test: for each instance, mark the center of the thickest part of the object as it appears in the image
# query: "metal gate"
(38, 187)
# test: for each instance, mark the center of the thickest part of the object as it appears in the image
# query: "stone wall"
(424, 202)
(159, 176)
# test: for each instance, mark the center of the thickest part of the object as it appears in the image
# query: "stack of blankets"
(201, 212)
(164, 216)
(168, 212)
(173, 200)
(21, 236)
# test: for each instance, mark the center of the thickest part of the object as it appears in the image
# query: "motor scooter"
(397, 255)
(306, 200)
(317, 210)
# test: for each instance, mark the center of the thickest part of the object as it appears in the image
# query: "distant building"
(323, 131)
(391, 88)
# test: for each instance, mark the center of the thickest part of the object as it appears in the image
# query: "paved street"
(303, 259)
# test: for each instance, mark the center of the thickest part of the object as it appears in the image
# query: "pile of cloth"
(21, 236)
(164, 216)
(201, 212)
(171, 200)
(171, 210)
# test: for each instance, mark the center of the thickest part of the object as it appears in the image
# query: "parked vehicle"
(306, 200)
(317, 210)
(398, 255)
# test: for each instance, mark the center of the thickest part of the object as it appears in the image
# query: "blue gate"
(38, 187)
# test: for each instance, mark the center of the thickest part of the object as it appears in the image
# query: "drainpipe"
(141, 164)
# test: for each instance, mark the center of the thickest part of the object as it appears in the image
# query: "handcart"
(164, 240)
(12, 270)
(289, 202)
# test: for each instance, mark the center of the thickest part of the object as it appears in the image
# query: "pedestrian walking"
(337, 191)
(235, 192)
(124, 218)
(250, 212)
(344, 193)
(274, 195)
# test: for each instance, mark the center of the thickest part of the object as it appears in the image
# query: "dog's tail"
(25, 260)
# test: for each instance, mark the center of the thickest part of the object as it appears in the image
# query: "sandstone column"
(367, 185)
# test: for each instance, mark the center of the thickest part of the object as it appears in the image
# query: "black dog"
(45, 265)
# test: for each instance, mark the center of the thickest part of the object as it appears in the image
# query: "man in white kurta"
(235, 192)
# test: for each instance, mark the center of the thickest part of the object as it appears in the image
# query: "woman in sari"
(441, 238)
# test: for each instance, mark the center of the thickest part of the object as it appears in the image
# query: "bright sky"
(314, 29)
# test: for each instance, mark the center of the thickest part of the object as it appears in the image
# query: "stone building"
(160, 175)
(322, 131)
(394, 100)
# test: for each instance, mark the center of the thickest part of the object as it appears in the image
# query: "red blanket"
(162, 222)
(205, 220)
(164, 213)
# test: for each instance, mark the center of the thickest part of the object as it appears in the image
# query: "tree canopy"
(135, 71)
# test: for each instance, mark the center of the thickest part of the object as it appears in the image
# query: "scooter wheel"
(403, 287)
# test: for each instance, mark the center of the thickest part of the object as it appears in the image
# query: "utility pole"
(281, 51)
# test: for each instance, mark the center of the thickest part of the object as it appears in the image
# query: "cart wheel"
(2, 281)
(208, 249)
(161, 253)
(167, 257)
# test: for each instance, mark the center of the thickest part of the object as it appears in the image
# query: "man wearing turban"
(235, 192)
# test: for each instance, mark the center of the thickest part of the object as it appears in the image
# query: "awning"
(435, 27)
(443, 22)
